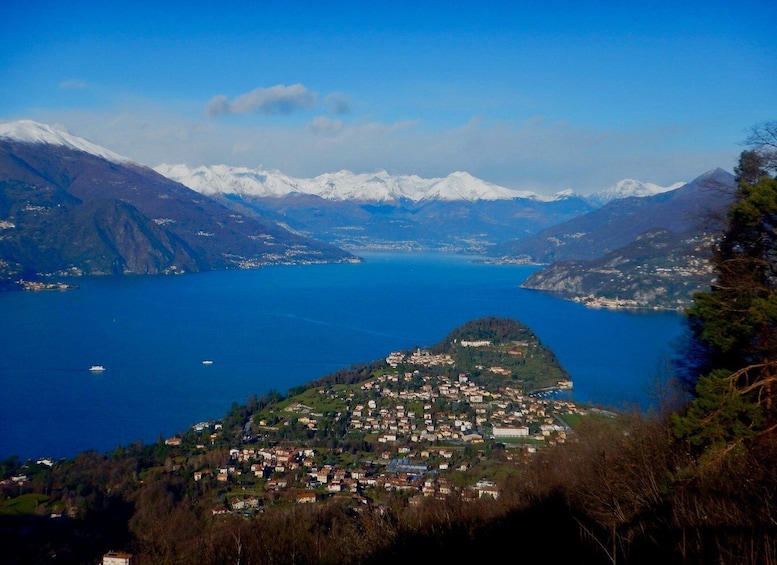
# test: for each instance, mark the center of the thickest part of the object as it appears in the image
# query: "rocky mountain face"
(67, 210)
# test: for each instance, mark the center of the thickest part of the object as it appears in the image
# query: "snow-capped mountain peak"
(629, 187)
(346, 185)
(379, 186)
(461, 185)
(29, 131)
(224, 179)
(565, 194)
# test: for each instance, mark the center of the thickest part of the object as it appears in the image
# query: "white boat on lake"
(96, 368)
(207, 362)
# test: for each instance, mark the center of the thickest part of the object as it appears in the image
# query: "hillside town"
(427, 433)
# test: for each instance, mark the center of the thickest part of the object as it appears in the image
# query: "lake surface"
(275, 328)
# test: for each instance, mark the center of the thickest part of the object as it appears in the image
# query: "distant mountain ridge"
(627, 188)
(376, 187)
(341, 185)
(437, 225)
(70, 207)
(611, 258)
(619, 222)
(382, 211)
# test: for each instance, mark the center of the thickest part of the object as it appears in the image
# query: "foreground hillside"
(448, 454)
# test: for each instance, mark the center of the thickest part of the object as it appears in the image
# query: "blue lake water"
(274, 328)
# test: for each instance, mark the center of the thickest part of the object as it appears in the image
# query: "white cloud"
(325, 126)
(276, 100)
(338, 103)
(73, 84)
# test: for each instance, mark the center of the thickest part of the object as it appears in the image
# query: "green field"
(23, 505)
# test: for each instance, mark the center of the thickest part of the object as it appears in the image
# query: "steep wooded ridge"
(696, 206)
(69, 212)
(659, 270)
(650, 252)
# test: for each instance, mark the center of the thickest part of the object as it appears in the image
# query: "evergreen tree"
(735, 323)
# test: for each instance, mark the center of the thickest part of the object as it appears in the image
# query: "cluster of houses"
(504, 413)
(41, 285)
(420, 480)
(421, 357)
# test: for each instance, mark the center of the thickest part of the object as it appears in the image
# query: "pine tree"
(735, 322)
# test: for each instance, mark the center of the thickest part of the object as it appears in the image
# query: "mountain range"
(360, 211)
(68, 206)
(341, 185)
(378, 187)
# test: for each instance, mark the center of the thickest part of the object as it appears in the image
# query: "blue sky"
(541, 96)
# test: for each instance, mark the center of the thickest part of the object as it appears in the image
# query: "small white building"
(117, 558)
(508, 431)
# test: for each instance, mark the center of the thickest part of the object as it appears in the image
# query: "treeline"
(492, 328)
(348, 376)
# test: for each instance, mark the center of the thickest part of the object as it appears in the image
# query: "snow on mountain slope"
(223, 179)
(345, 185)
(341, 185)
(630, 187)
(28, 131)
(463, 186)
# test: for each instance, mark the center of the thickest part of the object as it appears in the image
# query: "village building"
(118, 558)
